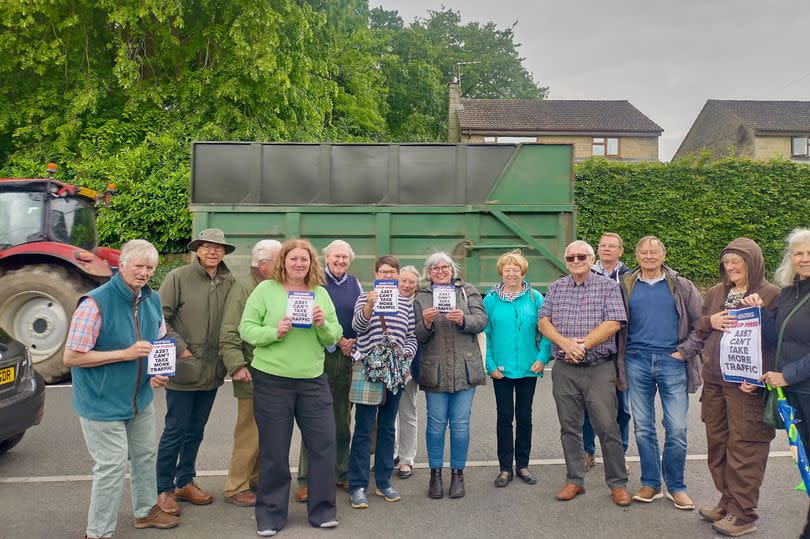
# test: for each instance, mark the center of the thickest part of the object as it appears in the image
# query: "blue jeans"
(360, 454)
(646, 374)
(186, 415)
(622, 418)
(452, 408)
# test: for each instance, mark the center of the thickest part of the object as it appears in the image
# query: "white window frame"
(604, 143)
(806, 146)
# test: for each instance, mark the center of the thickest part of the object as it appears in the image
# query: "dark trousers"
(575, 390)
(186, 415)
(360, 456)
(801, 401)
(513, 400)
(338, 369)
(622, 418)
(277, 402)
(738, 443)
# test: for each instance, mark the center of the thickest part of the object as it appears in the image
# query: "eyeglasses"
(213, 248)
(438, 269)
(581, 258)
(388, 273)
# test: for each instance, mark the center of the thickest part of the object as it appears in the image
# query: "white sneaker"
(330, 524)
(266, 533)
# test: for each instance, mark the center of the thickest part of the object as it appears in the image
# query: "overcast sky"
(665, 57)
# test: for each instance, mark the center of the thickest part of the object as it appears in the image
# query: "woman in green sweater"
(290, 383)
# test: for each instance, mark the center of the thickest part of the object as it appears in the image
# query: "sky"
(665, 57)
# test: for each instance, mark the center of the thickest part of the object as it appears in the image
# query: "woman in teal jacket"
(516, 356)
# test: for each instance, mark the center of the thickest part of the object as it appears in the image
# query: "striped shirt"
(576, 309)
(369, 332)
(86, 325)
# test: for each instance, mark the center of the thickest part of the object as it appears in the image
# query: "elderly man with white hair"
(580, 316)
(343, 289)
(107, 348)
(243, 473)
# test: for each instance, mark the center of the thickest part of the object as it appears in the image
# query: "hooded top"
(750, 252)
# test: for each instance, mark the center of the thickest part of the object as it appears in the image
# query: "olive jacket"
(235, 352)
(450, 357)
(193, 303)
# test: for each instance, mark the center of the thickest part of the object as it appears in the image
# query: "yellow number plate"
(6, 375)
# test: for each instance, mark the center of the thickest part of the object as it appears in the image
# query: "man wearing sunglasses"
(580, 316)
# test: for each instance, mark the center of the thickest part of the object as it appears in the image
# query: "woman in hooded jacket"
(737, 438)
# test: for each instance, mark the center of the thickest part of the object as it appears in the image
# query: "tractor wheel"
(36, 303)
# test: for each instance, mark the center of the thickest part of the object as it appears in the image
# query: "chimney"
(453, 106)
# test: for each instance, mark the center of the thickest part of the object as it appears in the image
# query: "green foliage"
(117, 91)
(419, 60)
(694, 206)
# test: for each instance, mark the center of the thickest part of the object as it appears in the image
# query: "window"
(800, 147)
(491, 140)
(609, 147)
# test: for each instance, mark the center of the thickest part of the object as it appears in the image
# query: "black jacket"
(794, 357)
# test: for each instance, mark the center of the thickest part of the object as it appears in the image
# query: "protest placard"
(444, 297)
(741, 348)
(300, 306)
(162, 358)
(387, 297)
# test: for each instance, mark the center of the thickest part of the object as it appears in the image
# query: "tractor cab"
(40, 210)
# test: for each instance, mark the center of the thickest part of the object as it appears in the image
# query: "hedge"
(694, 206)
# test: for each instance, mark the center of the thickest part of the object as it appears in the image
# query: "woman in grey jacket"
(449, 314)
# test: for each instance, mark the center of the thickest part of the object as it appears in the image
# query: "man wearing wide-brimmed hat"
(193, 299)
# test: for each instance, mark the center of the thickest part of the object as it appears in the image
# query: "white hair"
(434, 259)
(410, 269)
(581, 243)
(338, 243)
(785, 274)
(262, 250)
(138, 250)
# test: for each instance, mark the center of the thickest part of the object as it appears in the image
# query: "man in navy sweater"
(661, 354)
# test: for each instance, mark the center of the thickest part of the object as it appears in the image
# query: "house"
(757, 129)
(612, 129)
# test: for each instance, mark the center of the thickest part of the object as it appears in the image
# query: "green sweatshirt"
(299, 354)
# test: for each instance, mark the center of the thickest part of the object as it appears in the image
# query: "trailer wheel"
(36, 303)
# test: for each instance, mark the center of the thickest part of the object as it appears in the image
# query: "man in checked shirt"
(107, 348)
(580, 315)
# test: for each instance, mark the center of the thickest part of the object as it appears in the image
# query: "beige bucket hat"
(211, 235)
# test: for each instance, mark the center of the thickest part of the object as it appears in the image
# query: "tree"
(419, 60)
(119, 89)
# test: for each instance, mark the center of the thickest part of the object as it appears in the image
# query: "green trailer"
(473, 201)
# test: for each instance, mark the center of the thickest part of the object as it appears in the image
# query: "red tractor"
(49, 257)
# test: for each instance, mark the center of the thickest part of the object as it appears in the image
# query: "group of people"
(619, 337)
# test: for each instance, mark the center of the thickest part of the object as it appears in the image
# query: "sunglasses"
(571, 258)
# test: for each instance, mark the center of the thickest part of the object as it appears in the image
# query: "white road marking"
(294, 469)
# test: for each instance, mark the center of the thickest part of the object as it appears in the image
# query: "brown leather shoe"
(245, 498)
(301, 494)
(569, 492)
(193, 494)
(168, 504)
(157, 519)
(621, 496)
(712, 514)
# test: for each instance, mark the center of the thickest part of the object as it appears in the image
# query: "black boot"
(456, 484)
(436, 488)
